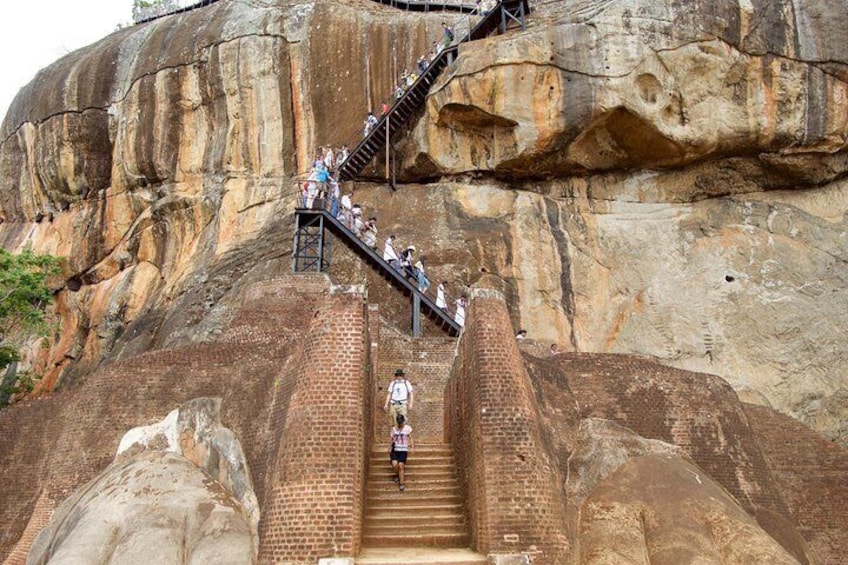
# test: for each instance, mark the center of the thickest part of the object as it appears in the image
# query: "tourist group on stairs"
(408, 78)
(321, 190)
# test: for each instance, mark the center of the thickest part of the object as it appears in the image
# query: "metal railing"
(149, 16)
(326, 201)
(462, 33)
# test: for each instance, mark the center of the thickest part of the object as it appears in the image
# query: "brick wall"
(41, 514)
(514, 496)
(259, 367)
(313, 506)
(812, 474)
(427, 362)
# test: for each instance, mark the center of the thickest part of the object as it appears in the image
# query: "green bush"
(24, 298)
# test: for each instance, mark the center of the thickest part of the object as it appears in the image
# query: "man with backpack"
(448, 34)
(398, 397)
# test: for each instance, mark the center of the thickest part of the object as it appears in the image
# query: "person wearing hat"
(398, 397)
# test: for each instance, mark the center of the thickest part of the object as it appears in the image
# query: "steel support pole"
(416, 315)
(388, 119)
(296, 242)
(321, 243)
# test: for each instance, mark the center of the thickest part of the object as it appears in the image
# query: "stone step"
(427, 472)
(415, 455)
(419, 556)
(414, 509)
(414, 488)
(414, 458)
(426, 484)
(397, 498)
(441, 538)
(413, 522)
(426, 448)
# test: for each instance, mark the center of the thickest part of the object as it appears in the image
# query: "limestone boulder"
(661, 509)
(195, 431)
(602, 446)
(178, 491)
(154, 507)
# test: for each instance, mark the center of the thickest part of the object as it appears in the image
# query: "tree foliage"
(24, 297)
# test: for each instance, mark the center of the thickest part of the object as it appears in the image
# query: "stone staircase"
(424, 524)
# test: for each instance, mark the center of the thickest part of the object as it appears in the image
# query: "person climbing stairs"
(425, 523)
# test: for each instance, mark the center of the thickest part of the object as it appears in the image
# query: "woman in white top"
(370, 238)
(389, 253)
(328, 158)
(400, 447)
(440, 296)
(459, 315)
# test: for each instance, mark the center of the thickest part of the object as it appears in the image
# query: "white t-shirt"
(400, 437)
(440, 297)
(389, 253)
(400, 390)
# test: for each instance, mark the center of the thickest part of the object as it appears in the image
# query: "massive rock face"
(655, 178)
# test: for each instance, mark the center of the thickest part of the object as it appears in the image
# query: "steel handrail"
(450, 299)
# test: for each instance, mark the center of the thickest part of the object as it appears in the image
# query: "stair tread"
(422, 540)
(386, 516)
(415, 556)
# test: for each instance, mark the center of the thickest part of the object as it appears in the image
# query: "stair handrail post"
(388, 133)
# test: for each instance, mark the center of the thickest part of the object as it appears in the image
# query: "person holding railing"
(459, 313)
(370, 122)
(356, 223)
(440, 296)
(448, 35)
(423, 281)
(406, 262)
(370, 234)
(390, 256)
(345, 211)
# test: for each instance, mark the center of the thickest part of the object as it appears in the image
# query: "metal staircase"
(500, 18)
(429, 6)
(310, 254)
(311, 244)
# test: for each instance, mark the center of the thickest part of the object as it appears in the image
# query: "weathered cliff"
(658, 179)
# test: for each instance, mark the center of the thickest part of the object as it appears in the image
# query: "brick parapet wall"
(427, 362)
(812, 474)
(52, 446)
(314, 498)
(41, 514)
(513, 489)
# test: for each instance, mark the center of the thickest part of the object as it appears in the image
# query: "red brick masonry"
(514, 497)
